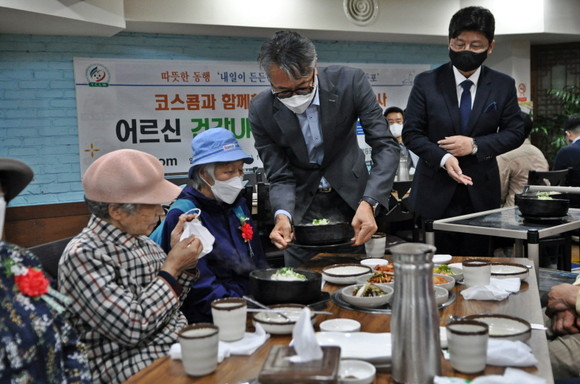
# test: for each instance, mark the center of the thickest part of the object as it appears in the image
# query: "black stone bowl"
(326, 234)
(532, 207)
(268, 291)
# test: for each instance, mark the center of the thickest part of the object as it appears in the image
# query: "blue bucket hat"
(216, 145)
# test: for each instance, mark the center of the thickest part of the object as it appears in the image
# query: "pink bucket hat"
(128, 176)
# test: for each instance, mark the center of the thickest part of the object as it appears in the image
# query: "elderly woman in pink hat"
(217, 174)
(126, 290)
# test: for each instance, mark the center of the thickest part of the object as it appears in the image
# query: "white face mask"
(299, 103)
(195, 227)
(2, 214)
(228, 190)
(396, 129)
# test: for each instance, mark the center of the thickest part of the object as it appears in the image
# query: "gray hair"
(292, 52)
(196, 181)
(101, 210)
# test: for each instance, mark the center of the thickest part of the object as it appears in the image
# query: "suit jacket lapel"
(288, 123)
(329, 102)
(447, 84)
(481, 98)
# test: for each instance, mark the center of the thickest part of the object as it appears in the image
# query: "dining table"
(524, 304)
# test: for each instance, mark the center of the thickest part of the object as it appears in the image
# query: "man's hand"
(282, 233)
(565, 322)
(454, 171)
(562, 297)
(457, 145)
(363, 223)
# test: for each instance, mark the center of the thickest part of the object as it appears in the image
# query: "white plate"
(340, 325)
(373, 262)
(344, 273)
(456, 265)
(505, 327)
(372, 347)
(505, 270)
(441, 259)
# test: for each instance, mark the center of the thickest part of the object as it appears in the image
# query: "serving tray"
(385, 309)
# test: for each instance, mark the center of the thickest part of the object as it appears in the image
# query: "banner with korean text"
(158, 106)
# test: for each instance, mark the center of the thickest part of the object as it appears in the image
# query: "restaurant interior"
(537, 43)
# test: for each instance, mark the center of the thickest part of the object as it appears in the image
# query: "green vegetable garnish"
(320, 222)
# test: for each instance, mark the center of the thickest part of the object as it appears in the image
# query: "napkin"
(497, 289)
(510, 353)
(304, 340)
(245, 346)
(510, 376)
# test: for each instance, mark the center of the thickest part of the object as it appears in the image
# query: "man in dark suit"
(305, 133)
(569, 156)
(457, 138)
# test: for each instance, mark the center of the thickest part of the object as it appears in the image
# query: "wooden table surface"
(524, 304)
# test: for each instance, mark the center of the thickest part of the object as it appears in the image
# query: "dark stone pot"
(309, 234)
(268, 291)
(531, 206)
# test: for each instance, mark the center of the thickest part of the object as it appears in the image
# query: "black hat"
(14, 177)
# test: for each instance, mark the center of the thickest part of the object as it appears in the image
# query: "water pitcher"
(416, 350)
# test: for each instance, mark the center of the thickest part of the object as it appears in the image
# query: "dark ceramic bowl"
(268, 291)
(327, 234)
(532, 206)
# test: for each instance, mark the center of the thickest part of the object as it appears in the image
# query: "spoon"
(257, 303)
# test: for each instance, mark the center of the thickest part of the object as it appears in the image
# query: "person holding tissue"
(217, 173)
(126, 291)
(395, 117)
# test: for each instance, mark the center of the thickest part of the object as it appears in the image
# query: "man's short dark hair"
(393, 110)
(476, 19)
(528, 123)
(293, 53)
(573, 124)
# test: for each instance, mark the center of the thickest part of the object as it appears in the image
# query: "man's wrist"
(372, 202)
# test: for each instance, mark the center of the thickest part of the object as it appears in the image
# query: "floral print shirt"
(37, 343)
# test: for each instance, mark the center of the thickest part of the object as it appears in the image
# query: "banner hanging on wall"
(158, 106)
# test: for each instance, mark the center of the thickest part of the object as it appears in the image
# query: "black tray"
(385, 309)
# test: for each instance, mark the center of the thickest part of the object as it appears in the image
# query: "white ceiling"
(402, 21)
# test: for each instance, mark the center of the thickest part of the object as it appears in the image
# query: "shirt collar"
(459, 78)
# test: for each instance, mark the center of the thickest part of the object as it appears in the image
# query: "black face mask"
(466, 60)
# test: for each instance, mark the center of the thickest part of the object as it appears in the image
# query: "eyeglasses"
(460, 45)
(297, 91)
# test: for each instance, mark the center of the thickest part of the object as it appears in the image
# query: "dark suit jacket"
(345, 96)
(432, 114)
(569, 156)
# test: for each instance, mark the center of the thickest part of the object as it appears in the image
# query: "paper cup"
(229, 314)
(199, 348)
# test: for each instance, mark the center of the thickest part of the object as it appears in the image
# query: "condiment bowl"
(356, 372)
(449, 281)
(441, 295)
(340, 325)
(367, 302)
(275, 324)
(456, 273)
(373, 262)
(343, 274)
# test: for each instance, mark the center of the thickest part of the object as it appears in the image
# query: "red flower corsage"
(247, 232)
(32, 283)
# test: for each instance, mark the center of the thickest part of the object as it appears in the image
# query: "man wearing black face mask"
(459, 117)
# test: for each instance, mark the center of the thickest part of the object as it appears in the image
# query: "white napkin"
(497, 289)
(510, 376)
(304, 340)
(245, 346)
(508, 353)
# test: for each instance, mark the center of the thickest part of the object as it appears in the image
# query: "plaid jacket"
(126, 316)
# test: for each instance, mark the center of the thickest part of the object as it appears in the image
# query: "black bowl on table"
(268, 291)
(531, 206)
(323, 234)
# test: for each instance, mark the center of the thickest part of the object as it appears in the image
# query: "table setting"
(367, 336)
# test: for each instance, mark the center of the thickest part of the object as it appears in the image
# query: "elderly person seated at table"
(38, 344)
(217, 173)
(126, 290)
(563, 309)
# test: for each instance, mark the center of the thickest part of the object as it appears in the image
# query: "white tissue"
(246, 346)
(508, 353)
(497, 289)
(304, 340)
(195, 227)
(510, 376)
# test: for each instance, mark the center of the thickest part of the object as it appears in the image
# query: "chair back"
(49, 254)
(553, 178)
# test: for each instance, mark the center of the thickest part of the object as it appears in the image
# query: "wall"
(38, 123)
